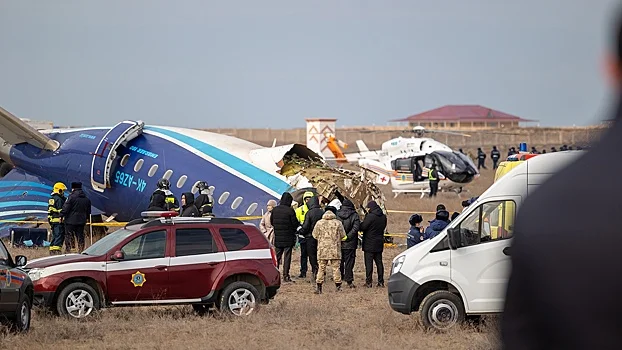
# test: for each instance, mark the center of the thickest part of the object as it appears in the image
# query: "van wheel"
(77, 300)
(441, 310)
(21, 322)
(239, 299)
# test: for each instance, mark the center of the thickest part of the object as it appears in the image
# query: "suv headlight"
(35, 274)
(397, 264)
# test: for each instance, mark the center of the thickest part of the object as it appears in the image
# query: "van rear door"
(480, 268)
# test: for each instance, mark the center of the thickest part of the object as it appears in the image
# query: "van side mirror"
(117, 256)
(455, 238)
(20, 261)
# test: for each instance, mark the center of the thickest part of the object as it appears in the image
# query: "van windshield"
(105, 244)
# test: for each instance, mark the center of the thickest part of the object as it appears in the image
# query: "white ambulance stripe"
(136, 264)
(78, 266)
(197, 259)
(249, 254)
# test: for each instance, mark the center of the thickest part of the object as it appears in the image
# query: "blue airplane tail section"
(23, 197)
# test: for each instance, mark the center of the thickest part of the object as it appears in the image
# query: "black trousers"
(348, 257)
(74, 232)
(495, 163)
(312, 253)
(433, 188)
(304, 257)
(480, 164)
(288, 259)
(370, 259)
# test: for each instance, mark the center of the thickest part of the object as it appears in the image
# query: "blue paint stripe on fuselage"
(26, 204)
(266, 179)
(23, 193)
(30, 184)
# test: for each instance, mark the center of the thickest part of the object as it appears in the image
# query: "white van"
(463, 271)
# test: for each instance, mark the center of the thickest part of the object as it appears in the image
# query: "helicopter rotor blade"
(448, 132)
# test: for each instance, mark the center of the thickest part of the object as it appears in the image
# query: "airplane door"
(482, 265)
(106, 151)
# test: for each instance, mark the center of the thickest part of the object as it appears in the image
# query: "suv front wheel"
(77, 300)
(239, 299)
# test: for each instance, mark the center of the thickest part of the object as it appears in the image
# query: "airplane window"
(168, 174)
(223, 198)
(182, 181)
(236, 203)
(153, 170)
(251, 209)
(139, 165)
(125, 159)
(211, 189)
(195, 188)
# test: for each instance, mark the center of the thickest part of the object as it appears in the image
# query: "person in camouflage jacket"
(328, 232)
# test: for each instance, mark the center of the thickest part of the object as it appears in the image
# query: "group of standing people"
(163, 199)
(328, 236)
(67, 217)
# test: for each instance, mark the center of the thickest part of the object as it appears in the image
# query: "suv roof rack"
(192, 220)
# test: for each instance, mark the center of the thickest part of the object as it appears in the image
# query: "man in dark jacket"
(481, 158)
(76, 213)
(157, 202)
(285, 224)
(314, 215)
(437, 225)
(351, 222)
(373, 227)
(564, 289)
(188, 209)
(495, 155)
(414, 236)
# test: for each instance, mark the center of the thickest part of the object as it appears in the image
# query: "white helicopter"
(404, 162)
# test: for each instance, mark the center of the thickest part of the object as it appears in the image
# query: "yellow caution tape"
(410, 212)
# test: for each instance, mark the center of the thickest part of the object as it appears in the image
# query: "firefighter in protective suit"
(164, 191)
(55, 204)
(204, 201)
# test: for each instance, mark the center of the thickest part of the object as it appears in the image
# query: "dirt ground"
(355, 318)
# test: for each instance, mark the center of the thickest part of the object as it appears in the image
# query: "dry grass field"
(354, 318)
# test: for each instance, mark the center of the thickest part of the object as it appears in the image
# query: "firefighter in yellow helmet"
(55, 204)
(301, 211)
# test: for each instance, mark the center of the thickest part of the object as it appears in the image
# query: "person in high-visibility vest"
(55, 204)
(433, 178)
(301, 212)
(170, 201)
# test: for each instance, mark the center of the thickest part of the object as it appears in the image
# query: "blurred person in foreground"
(564, 290)
(328, 232)
(415, 233)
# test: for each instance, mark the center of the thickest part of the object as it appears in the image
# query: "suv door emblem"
(138, 279)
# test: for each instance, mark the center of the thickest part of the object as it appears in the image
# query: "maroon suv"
(167, 260)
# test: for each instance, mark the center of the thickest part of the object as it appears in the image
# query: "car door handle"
(212, 263)
(161, 267)
(506, 251)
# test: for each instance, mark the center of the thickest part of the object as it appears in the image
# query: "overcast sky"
(272, 63)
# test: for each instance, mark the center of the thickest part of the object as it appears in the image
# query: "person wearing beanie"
(437, 225)
(284, 222)
(76, 213)
(373, 228)
(564, 285)
(414, 235)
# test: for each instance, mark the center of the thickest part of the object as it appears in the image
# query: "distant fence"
(503, 138)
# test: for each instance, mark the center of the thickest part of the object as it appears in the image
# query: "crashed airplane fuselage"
(120, 166)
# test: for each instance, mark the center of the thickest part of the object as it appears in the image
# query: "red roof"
(466, 113)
